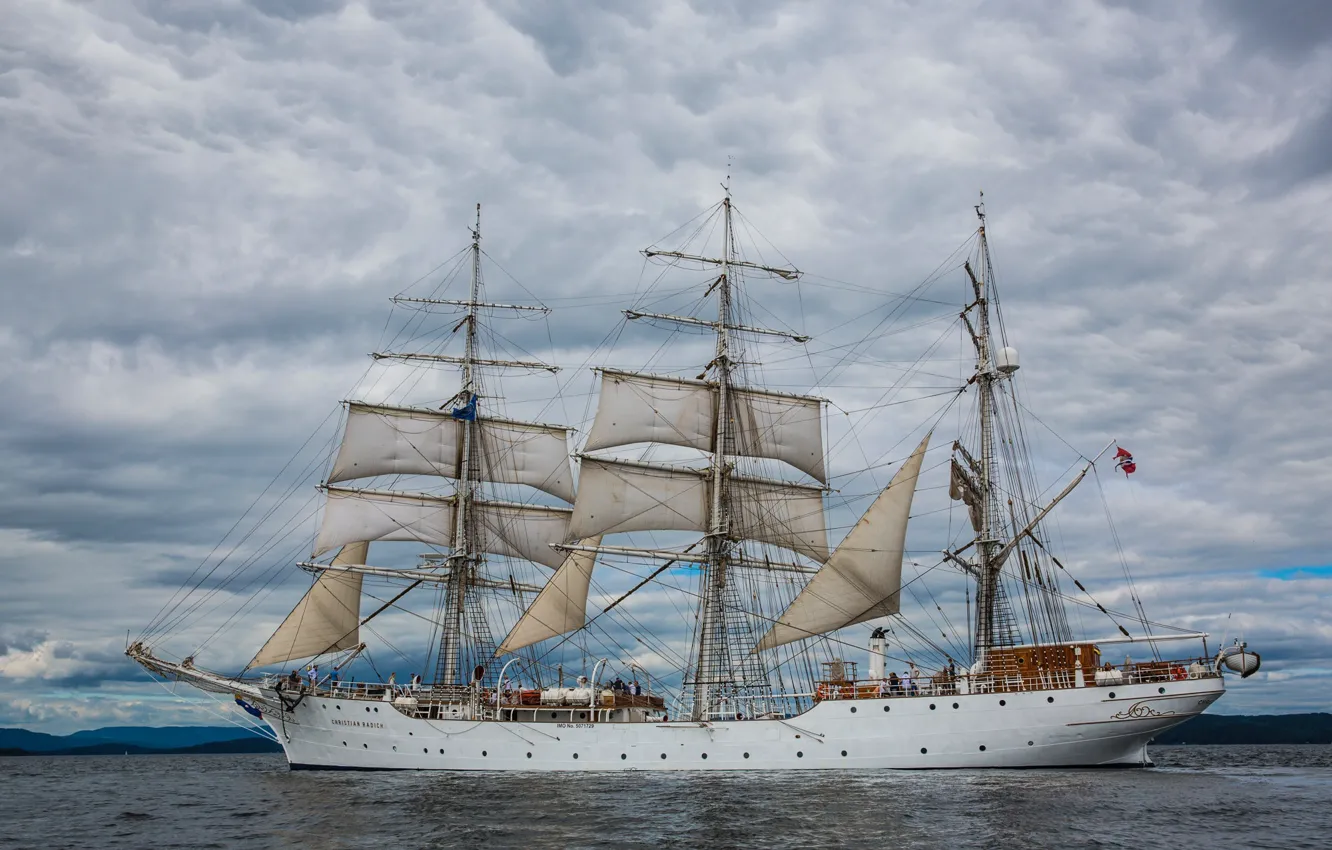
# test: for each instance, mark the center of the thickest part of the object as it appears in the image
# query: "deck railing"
(1008, 678)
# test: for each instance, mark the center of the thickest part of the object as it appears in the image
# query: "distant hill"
(138, 740)
(1252, 729)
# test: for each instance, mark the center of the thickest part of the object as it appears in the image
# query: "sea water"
(1197, 797)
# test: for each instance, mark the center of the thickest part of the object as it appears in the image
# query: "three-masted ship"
(716, 485)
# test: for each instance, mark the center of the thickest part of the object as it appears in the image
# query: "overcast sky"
(207, 205)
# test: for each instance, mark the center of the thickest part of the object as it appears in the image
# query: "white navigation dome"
(1006, 360)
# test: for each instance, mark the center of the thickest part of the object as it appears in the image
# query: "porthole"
(931, 706)
(800, 755)
(1031, 743)
(553, 715)
(575, 755)
(441, 751)
(323, 705)
(365, 746)
(1112, 695)
(746, 755)
(411, 733)
(853, 709)
(338, 707)
(344, 743)
(623, 756)
(705, 756)
(376, 709)
(954, 705)
(923, 751)
(425, 750)
(1049, 699)
(367, 709)
(529, 755)
(887, 709)
(582, 715)
(1003, 702)
(483, 754)
(843, 753)
(982, 748)
(1160, 690)
(663, 755)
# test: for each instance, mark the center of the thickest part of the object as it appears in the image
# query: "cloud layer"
(208, 204)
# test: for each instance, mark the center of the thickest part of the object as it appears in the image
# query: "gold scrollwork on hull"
(1138, 711)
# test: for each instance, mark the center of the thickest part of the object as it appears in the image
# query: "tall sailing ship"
(713, 488)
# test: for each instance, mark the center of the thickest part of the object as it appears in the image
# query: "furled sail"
(863, 578)
(561, 607)
(619, 496)
(523, 531)
(636, 408)
(961, 488)
(327, 618)
(381, 440)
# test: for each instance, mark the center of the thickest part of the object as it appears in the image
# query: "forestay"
(327, 619)
(381, 440)
(863, 578)
(638, 408)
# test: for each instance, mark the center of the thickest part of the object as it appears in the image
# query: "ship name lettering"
(366, 723)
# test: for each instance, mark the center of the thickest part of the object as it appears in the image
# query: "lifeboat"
(1238, 659)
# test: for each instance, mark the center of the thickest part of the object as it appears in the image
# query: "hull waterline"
(1082, 727)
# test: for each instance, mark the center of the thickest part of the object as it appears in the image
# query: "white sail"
(523, 531)
(863, 578)
(561, 607)
(327, 618)
(526, 453)
(635, 408)
(786, 515)
(381, 440)
(783, 427)
(617, 496)
(352, 515)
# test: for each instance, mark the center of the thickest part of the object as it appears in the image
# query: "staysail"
(863, 578)
(561, 607)
(327, 619)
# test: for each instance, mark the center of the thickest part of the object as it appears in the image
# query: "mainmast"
(711, 668)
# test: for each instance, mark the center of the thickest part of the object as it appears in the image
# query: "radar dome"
(1006, 360)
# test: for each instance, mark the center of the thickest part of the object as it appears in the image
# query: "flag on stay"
(249, 709)
(1124, 461)
(467, 412)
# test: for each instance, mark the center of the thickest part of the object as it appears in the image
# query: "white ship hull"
(1069, 727)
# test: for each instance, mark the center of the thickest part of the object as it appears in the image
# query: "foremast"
(464, 559)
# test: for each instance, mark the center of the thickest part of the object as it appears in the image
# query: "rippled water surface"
(1203, 797)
